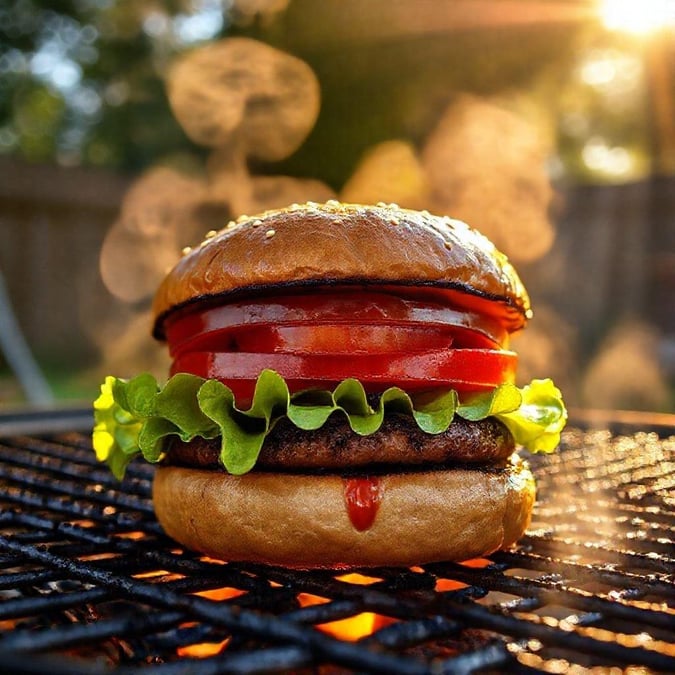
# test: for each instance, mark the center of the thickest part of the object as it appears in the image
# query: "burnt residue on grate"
(89, 584)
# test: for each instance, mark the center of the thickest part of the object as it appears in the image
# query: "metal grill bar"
(89, 583)
(264, 627)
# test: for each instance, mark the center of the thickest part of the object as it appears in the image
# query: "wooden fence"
(614, 256)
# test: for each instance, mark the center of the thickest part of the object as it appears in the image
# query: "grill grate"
(89, 584)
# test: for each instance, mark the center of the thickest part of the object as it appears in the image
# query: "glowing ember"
(131, 535)
(451, 584)
(309, 600)
(225, 593)
(353, 628)
(83, 523)
(477, 563)
(448, 585)
(203, 650)
(356, 627)
(156, 573)
(212, 561)
(358, 579)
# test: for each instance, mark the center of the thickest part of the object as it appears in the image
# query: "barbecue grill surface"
(89, 584)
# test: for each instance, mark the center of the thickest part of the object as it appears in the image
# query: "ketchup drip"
(362, 498)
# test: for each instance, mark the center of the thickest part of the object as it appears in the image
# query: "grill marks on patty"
(335, 446)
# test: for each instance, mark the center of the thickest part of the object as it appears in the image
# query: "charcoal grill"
(89, 583)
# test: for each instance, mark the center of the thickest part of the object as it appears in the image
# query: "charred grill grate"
(89, 584)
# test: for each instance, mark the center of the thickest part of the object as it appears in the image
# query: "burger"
(341, 393)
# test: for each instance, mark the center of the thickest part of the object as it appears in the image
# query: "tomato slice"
(317, 340)
(356, 339)
(340, 339)
(460, 369)
(218, 328)
(343, 339)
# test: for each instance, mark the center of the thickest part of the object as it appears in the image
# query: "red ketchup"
(362, 498)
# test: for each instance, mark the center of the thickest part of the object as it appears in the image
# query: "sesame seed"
(381, 205)
(447, 245)
(394, 221)
(333, 203)
(210, 234)
(242, 218)
(256, 223)
(186, 250)
(270, 233)
(230, 225)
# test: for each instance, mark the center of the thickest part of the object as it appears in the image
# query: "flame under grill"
(89, 584)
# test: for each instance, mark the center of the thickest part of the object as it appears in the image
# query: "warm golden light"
(358, 579)
(136, 535)
(309, 599)
(356, 627)
(219, 594)
(477, 563)
(152, 574)
(352, 628)
(448, 585)
(639, 18)
(203, 650)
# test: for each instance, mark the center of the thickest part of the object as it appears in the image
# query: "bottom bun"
(302, 520)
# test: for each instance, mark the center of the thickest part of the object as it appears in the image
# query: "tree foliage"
(81, 81)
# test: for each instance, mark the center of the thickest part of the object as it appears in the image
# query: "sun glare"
(639, 18)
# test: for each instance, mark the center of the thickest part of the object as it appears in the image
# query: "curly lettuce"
(133, 417)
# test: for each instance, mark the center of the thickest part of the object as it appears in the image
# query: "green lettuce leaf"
(133, 417)
(116, 431)
(541, 416)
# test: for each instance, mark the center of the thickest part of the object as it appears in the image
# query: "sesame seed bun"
(345, 244)
(297, 508)
(301, 520)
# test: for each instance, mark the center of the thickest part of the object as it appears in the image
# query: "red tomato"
(461, 369)
(217, 328)
(323, 339)
(343, 339)
(319, 340)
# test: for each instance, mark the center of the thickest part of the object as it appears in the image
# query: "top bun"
(345, 244)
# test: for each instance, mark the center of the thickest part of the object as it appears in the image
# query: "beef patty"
(334, 446)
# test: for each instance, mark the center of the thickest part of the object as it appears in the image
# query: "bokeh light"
(552, 130)
(638, 17)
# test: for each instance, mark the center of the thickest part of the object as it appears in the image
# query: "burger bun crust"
(333, 244)
(301, 520)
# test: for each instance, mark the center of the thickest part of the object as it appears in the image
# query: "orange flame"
(477, 563)
(358, 579)
(218, 594)
(202, 650)
(351, 628)
(452, 585)
(135, 535)
(355, 627)
(448, 585)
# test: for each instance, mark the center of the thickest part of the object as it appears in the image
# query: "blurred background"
(129, 129)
